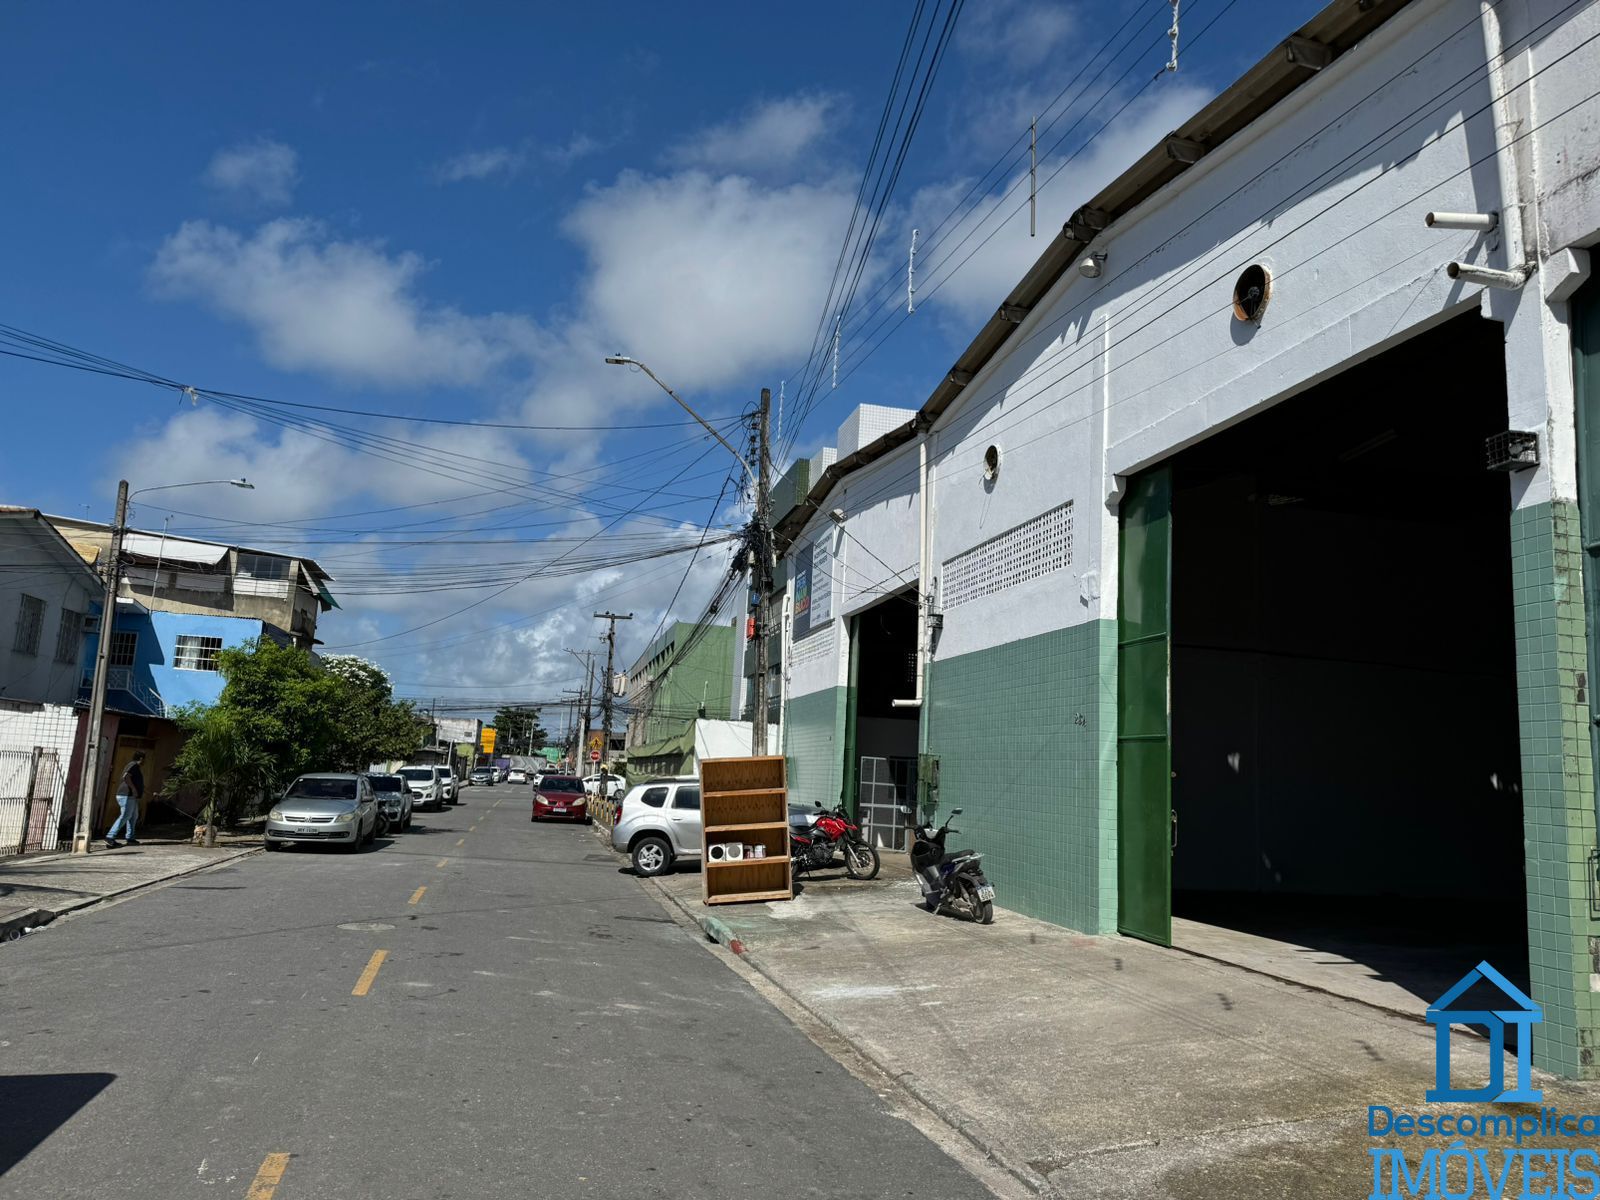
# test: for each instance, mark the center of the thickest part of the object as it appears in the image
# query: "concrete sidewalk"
(36, 890)
(1100, 1066)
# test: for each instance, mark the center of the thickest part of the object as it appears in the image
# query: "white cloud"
(262, 172)
(482, 164)
(707, 278)
(579, 145)
(972, 293)
(344, 307)
(773, 134)
(1021, 34)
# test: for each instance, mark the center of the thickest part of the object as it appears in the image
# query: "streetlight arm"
(622, 360)
(161, 487)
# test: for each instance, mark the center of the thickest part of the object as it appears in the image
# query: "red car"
(561, 797)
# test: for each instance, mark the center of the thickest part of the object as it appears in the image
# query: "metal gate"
(32, 788)
(886, 798)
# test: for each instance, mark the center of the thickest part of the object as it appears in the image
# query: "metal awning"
(174, 550)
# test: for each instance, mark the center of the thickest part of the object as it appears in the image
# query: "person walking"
(130, 790)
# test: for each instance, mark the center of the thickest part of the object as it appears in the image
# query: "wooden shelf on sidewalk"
(745, 801)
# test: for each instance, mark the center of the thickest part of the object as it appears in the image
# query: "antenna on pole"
(1172, 63)
(1033, 173)
(837, 321)
(911, 276)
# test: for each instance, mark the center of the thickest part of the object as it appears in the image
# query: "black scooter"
(950, 879)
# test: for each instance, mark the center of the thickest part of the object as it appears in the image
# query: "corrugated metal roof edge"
(316, 568)
(1339, 26)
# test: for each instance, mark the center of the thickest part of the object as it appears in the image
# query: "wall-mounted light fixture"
(1092, 266)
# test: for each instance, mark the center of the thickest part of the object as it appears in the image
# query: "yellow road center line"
(268, 1177)
(417, 895)
(461, 841)
(440, 863)
(364, 984)
(472, 829)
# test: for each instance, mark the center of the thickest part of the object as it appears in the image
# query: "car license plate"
(986, 892)
(560, 811)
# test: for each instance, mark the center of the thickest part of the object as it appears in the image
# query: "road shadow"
(35, 1106)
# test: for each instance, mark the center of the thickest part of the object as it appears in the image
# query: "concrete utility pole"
(605, 701)
(89, 783)
(760, 541)
(586, 657)
(761, 570)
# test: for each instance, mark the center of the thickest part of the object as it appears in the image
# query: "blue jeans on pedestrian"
(129, 817)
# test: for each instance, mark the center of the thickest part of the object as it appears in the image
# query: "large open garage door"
(1345, 781)
(881, 740)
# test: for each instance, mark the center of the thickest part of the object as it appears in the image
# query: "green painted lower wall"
(1557, 783)
(1026, 739)
(813, 742)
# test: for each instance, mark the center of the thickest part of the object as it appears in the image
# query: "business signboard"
(813, 588)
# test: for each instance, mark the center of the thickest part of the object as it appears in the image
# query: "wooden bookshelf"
(745, 800)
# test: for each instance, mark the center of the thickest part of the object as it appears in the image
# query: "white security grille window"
(1031, 550)
(197, 653)
(30, 620)
(69, 637)
(124, 645)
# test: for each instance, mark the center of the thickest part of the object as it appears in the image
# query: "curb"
(951, 1114)
(43, 916)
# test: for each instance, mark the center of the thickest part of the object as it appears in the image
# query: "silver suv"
(658, 823)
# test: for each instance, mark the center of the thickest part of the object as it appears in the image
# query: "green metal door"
(1144, 725)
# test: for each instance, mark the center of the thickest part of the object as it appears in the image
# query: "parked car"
(561, 796)
(482, 777)
(337, 808)
(394, 799)
(615, 785)
(659, 823)
(500, 774)
(516, 775)
(423, 782)
(447, 785)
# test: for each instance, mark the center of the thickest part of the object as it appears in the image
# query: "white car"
(615, 785)
(423, 781)
(516, 775)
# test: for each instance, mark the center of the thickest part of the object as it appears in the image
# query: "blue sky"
(455, 212)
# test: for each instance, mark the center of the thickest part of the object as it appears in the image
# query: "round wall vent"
(991, 462)
(1251, 293)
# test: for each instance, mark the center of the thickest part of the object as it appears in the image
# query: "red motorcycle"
(817, 837)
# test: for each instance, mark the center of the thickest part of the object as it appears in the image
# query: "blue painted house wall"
(153, 685)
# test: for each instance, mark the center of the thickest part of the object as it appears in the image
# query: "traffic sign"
(594, 756)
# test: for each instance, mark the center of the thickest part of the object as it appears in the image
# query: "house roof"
(1321, 40)
(151, 544)
(1483, 972)
(69, 556)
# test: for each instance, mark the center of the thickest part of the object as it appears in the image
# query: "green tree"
(517, 731)
(220, 765)
(374, 727)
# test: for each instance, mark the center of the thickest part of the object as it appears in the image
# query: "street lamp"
(622, 360)
(761, 570)
(88, 782)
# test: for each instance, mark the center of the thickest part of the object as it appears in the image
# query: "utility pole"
(761, 571)
(605, 701)
(586, 657)
(94, 749)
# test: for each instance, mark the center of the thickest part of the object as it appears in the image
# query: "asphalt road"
(478, 1008)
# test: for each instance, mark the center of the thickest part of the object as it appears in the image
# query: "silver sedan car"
(340, 809)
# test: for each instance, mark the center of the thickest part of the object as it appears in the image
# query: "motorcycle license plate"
(986, 892)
